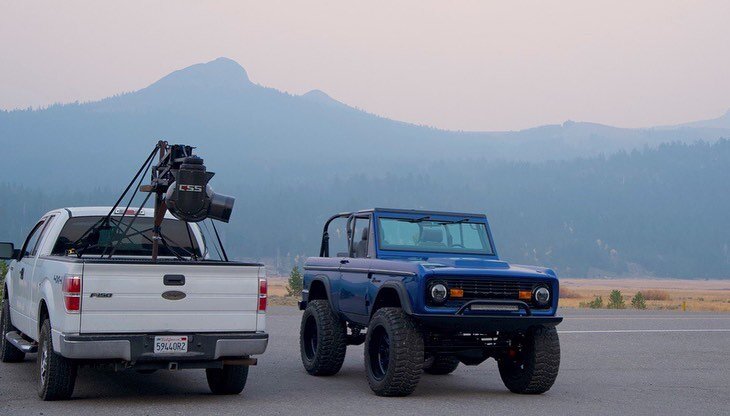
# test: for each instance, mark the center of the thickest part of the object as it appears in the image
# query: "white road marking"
(646, 317)
(631, 331)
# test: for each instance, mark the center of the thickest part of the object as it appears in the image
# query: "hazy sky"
(454, 64)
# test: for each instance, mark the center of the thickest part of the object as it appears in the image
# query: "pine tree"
(296, 282)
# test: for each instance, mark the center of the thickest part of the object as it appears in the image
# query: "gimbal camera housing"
(180, 183)
(181, 180)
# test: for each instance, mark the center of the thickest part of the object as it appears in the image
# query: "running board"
(21, 343)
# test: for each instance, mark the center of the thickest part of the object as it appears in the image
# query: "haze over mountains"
(292, 160)
(238, 123)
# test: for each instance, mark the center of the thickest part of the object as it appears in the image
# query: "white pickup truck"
(76, 306)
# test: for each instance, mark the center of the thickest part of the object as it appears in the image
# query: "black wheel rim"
(309, 337)
(379, 351)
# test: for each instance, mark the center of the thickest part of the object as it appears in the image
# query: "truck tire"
(394, 353)
(322, 339)
(441, 365)
(231, 379)
(56, 374)
(8, 352)
(534, 368)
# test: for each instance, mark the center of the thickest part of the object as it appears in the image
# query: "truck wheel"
(322, 339)
(56, 374)
(231, 379)
(8, 352)
(393, 353)
(442, 364)
(532, 367)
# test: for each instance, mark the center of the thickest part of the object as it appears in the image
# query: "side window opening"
(338, 238)
(33, 238)
(360, 237)
(46, 226)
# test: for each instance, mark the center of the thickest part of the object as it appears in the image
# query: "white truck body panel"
(217, 298)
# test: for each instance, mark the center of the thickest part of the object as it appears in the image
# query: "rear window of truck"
(178, 238)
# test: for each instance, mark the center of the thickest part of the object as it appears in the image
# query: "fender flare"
(400, 289)
(324, 279)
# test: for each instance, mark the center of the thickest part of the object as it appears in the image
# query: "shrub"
(596, 303)
(296, 282)
(655, 294)
(638, 301)
(616, 300)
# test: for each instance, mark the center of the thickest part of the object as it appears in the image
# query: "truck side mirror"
(7, 251)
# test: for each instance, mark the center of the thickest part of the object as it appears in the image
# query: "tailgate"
(128, 298)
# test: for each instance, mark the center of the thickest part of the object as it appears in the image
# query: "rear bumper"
(483, 323)
(139, 347)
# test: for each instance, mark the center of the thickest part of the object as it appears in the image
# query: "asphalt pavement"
(613, 362)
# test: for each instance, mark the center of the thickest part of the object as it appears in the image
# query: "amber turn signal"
(456, 293)
(525, 294)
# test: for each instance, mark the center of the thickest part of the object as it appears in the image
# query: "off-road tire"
(231, 379)
(322, 339)
(404, 357)
(56, 374)
(536, 367)
(442, 365)
(8, 352)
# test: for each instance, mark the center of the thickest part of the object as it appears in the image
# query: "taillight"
(71, 289)
(262, 295)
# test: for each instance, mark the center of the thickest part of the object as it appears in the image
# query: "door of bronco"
(355, 269)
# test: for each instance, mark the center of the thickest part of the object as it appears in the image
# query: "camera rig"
(179, 183)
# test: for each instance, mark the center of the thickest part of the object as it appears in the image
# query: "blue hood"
(452, 266)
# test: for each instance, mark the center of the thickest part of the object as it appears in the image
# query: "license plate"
(171, 345)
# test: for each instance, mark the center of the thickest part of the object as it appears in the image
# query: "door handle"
(344, 261)
(22, 274)
(174, 280)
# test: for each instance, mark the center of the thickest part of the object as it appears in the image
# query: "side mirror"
(7, 251)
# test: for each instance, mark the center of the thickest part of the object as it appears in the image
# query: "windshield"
(177, 240)
(425, 234)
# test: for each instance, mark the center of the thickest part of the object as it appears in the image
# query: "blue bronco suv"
(425, 291)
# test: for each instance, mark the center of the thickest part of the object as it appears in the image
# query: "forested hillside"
(658, 212)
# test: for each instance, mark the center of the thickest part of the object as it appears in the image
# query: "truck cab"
(436, 279)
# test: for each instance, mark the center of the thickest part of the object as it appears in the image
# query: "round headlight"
(439, 292)
(542, 295)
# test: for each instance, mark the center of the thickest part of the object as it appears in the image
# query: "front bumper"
(139, 347)
(483, 323)
(466, 320)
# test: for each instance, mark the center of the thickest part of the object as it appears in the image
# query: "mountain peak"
(321, 97)
(219, 73)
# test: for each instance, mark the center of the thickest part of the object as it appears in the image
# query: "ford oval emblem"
(173, 295)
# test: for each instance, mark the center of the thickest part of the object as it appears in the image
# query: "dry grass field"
(667, 294)
(697, 295)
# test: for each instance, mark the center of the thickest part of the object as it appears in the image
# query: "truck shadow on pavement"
(171, 386)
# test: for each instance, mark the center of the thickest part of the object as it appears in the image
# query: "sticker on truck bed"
(171, 344)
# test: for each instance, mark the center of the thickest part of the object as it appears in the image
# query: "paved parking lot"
(613, 362)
